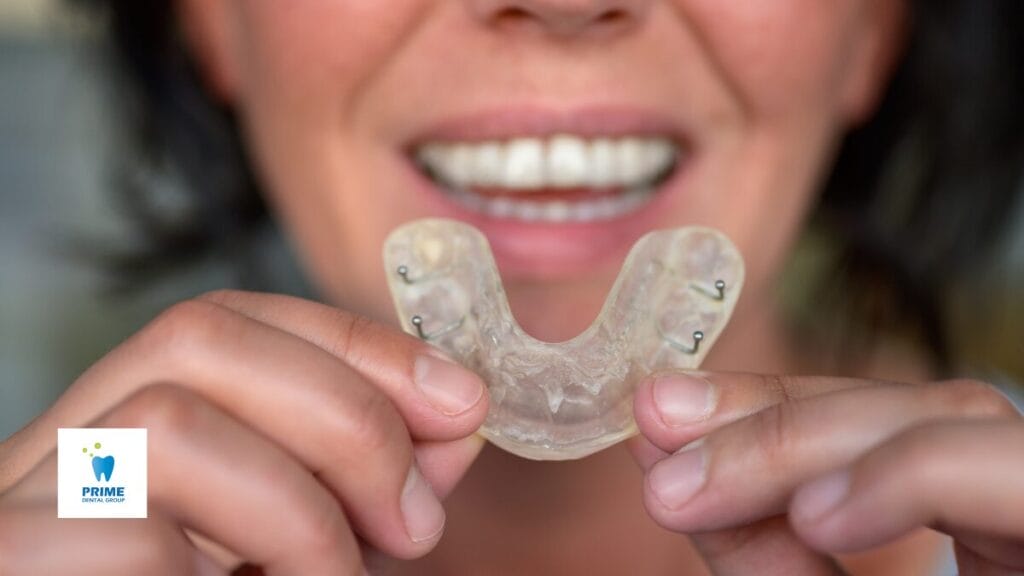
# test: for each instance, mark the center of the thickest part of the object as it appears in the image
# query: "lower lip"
(553, 250)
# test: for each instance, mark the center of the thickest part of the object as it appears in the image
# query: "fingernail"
(821, 496)
(424, 516)
(448, 387)
(675, 480)
(681, 399)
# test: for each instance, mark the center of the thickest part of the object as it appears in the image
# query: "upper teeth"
(562, 161)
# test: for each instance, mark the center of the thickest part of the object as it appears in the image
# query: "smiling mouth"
(554, 179)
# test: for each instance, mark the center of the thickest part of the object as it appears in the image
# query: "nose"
(563, 17)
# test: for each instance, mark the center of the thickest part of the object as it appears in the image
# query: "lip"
(536, 121)
(546, 250)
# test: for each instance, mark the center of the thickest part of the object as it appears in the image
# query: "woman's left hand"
(771, 474)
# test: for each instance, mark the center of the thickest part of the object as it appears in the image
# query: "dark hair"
(923, 192)
(916, 194)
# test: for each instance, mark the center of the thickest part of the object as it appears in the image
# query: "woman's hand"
(772, 474)
(318, 431)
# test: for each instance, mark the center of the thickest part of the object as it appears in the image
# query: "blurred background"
(56, 151)
(55, 157)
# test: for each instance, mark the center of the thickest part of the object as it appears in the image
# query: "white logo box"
(115, 486)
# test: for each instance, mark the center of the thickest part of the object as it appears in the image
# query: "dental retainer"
(565, 400)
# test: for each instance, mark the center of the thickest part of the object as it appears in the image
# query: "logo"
(101, 466)
(86, 484)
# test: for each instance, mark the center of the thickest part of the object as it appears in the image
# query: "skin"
(282, 398)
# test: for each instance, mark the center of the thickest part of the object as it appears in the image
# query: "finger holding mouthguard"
(565, 400)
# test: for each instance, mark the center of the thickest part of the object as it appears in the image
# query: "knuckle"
(186, 327)
(221, 296)
(351, 328)
(164, 407)
(776, 430)
(976, 398)
(780, 387)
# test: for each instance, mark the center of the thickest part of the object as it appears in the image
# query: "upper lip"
(536, 121)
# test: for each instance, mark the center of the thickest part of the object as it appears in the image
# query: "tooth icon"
(103, 466)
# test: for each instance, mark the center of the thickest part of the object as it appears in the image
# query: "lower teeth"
(556, 210)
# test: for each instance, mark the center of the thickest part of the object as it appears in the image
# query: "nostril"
(512, 13)
(612, 21)
(612, 17)
(512, 18)
(561, 16)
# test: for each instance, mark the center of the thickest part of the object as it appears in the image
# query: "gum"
(564, 400)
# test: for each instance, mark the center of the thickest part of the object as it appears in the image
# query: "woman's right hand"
(318, 432)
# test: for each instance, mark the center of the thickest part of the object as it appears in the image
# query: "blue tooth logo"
(103, 466)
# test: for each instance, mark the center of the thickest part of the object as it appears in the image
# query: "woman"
(330, 438)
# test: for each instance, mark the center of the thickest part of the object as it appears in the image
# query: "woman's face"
(571, 127)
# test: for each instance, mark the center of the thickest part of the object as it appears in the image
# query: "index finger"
(675, 408)
(955, 475)
(404, 367)
(252, 496)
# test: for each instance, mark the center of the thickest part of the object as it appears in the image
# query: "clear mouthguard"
(565, 400)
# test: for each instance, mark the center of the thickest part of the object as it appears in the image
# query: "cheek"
(783, 55)
(311, 49)
(765, 181)
(784, 62)
(303, 66)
